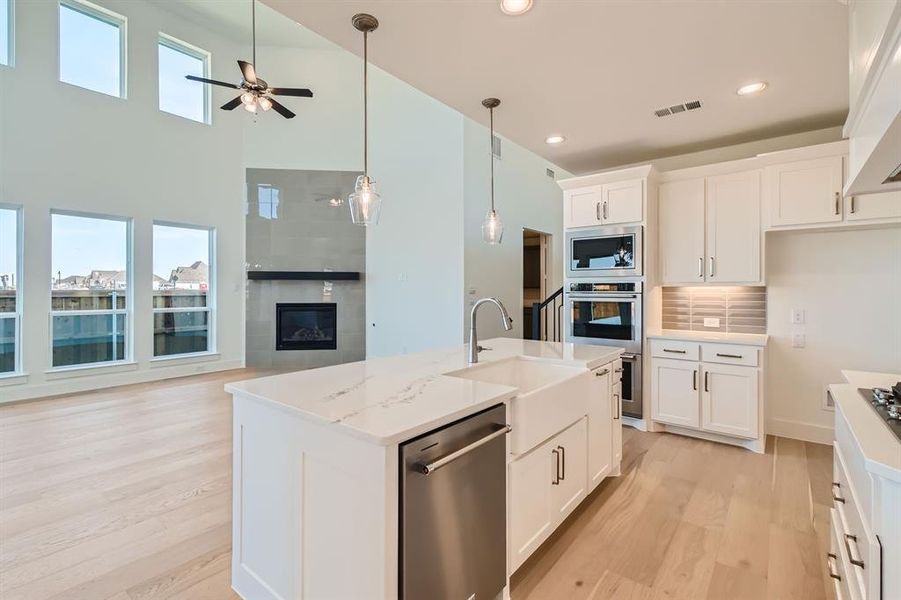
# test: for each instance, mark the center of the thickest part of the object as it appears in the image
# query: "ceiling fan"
(256, 92)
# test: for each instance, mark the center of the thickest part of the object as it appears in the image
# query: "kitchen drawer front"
(837, 562)
(729, 354)
(858, 543)
(677, 349)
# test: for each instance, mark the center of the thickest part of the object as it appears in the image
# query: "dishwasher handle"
(428, 468)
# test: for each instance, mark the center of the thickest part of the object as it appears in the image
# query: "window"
(91, 47)
(89, 303)
(6, 32)
(267, 198)
(182, 291)
(180, 96)
(10, 301)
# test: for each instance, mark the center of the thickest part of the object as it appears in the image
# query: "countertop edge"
(850, 402)
(758, 339)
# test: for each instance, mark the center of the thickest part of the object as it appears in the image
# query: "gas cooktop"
(887, 404)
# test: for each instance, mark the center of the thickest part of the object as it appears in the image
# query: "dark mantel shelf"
(304, 275)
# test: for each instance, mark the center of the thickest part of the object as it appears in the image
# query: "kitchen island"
(317, 467)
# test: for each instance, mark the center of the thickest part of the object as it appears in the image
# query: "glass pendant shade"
(365, 203)
(492, 228)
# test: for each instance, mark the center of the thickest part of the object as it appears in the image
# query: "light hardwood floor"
(125, 494)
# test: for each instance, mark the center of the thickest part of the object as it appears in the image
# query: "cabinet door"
(572, 484)
(622, 202)
(805, 192)
(873, 206)
(729, 400)
(616, 394)
(532, 514)
(674, 392)
(600, 418)
(733, 228)
(584, 206)
(682, 231)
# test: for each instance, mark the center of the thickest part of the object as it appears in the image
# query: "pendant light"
(365, 203)
(492, 227)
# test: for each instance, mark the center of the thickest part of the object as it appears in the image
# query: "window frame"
(211, 294)
(105, 15)
(11, 33)
(20, 270)
(173, 43)
(128, 311)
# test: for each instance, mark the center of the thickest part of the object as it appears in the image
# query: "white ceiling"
(595, 71)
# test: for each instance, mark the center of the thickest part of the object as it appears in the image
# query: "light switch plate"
(799, 340)
(797, 316)
(711, 322)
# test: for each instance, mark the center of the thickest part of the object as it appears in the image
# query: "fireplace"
(306, 326)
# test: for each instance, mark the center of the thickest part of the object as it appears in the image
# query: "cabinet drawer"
(677, 349)
(858, 544)
(837, 561)
(729, 354)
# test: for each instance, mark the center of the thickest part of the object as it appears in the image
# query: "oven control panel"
(605, 286)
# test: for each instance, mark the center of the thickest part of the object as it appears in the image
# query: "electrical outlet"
(711, 322)
(797, 316)
(799, 340)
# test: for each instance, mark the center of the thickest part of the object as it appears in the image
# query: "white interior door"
(674, 392)
(733, 228)
(681, 220)
(729, 400)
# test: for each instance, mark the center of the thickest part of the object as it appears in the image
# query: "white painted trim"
(13, 378)
(76, 385)
(798, 430)
(174, 359)
(90, 369)
(641, 172)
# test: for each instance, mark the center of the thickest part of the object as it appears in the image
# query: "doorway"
(536, 261)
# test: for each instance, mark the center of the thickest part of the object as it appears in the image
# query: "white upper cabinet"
(682, 222)
(804, 192)
(622, 202)
(583, 206)
(710, 229)
(873, 206)
(733, 228)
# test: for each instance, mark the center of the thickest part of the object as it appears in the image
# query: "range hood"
(873, 127)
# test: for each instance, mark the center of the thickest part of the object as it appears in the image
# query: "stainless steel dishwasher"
(453, 510)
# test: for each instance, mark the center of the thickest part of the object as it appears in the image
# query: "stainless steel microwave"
(604, 252)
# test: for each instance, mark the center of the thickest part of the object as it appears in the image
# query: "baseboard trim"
(76, 385)
(797, 430)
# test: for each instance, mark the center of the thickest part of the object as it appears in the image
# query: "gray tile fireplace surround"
(293, 226)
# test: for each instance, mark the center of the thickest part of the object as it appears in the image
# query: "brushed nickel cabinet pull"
(712, 267)
(700, 267)
(854, 561)
(729, 355)
(830, 563)
(617, 407)
(601, 373)
(605, 210)
(556, 454)
(597, 211)
(706, 381)
(838, 199)
(853, 207)
(694, 380)
(836, 498)
(674, 351)
(563, 461)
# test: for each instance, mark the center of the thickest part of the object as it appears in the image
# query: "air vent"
(550, 173)
(496, 146)
(678, 108)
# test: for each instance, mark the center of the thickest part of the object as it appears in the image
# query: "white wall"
(848, 283)
(525, 197)
(63, 147)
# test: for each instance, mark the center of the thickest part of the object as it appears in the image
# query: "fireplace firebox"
(306, 326)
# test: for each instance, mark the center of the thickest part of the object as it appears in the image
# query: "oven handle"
(628, 356)
(623, 298)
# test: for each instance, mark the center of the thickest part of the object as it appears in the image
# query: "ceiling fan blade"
(298, 92)
(250, 76)
(281, 109)
(232, 104)
(212, 81)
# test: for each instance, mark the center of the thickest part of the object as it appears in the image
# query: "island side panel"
(314, 510)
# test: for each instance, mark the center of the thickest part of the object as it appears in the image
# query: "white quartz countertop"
(746, 339)
(880, 448)
(389, 400)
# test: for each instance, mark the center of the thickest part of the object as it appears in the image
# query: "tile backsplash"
(739, 309)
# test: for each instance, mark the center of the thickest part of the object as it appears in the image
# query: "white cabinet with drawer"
(709, 388)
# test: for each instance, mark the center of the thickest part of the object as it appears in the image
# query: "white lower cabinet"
(617, 420)
(601, 413)
(545, 486)
(714, 396)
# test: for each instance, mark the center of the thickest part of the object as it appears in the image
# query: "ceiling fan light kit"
(255, 92)
(492, 226)
(365, 202)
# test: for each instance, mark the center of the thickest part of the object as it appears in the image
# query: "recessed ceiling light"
(515, 7)
(751, 88)
(554, 139)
